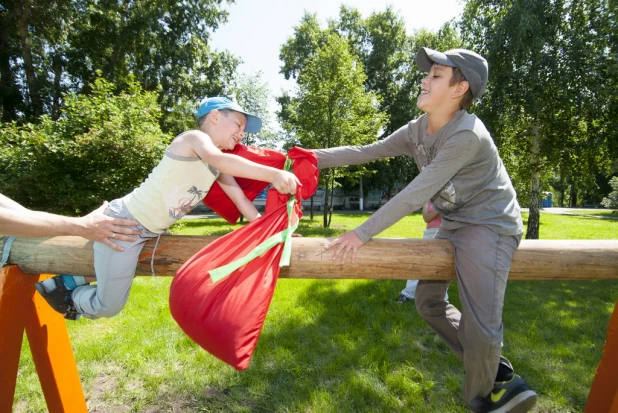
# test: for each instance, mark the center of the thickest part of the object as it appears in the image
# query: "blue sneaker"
(514, 396)
(59, 298)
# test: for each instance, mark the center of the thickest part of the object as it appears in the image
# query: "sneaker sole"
(521, 403)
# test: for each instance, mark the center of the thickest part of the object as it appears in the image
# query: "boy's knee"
(108, 311)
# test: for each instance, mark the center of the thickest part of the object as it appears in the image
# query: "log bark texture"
(394, 259)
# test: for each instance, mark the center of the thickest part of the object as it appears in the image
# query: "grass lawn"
(338, 345)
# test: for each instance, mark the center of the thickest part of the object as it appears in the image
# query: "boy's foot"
(59, 299)
(402, 299)
(514, 396)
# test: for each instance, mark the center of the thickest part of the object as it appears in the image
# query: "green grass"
(338, 345)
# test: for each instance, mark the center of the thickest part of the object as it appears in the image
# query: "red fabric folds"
(219, 202)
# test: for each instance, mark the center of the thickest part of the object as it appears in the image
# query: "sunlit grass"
(338, 345)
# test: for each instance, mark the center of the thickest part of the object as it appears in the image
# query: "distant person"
(191, 164)
(433, 220)
(19, 221)
(462, 173)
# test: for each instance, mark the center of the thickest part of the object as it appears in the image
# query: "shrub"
(612, 199)
(101, 148)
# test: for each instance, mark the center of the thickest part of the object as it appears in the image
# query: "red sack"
(220, 203)
(226, 318)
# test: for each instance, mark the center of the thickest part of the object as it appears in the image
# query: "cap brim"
(254, 124)
(426, 57)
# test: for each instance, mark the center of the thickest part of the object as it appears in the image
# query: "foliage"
(549, 92)
(612, 199)
(101, 148)
(253, 95)
(332, 107)
(65, 45)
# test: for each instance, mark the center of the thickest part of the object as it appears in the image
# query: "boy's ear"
(461, 89)
(213, 116)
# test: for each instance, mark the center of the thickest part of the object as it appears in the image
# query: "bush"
(102, 147)
(612, 199)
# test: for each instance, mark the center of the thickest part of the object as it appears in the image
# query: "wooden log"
(395, 259)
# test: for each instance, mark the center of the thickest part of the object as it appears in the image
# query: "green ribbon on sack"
(284, 236)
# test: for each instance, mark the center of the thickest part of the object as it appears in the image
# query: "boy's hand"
(347, 242)
(285, 182)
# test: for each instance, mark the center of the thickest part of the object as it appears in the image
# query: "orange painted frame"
(21, 309)
(603, 396)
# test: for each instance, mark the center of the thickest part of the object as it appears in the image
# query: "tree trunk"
(573, 200)
(311, 208)
(10, 97)
(535, 184)
(36, 103)
(118, 51)
(393, 259)
(325, 208)
(57, 67)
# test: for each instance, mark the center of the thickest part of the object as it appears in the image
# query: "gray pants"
(482, 261)
(114, 271)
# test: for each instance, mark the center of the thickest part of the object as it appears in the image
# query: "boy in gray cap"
(463, 176)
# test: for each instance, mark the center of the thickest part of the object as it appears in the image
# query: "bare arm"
(21, 222)
(234, 165)
(428, 216)
(233, 191)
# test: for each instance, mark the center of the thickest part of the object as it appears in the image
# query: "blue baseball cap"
(254, 124)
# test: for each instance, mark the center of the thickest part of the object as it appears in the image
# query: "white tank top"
(173, 188)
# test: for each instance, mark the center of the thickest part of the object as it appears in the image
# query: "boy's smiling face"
(229, 129)
(436, 88)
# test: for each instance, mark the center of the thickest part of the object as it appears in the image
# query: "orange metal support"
(603, 396)
(21, 309)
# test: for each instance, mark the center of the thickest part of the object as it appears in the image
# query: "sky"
(256, 29)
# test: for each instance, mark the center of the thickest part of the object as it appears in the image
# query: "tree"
(544, 95)
(64, 45)
(103, 146)
(332, 107)
(252, 94)
(612, 199)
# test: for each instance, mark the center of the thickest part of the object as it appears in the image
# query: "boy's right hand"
(285, 182)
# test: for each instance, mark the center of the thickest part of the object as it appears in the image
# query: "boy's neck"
(437, 120)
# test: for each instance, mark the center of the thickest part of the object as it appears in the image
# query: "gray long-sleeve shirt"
(461, 172)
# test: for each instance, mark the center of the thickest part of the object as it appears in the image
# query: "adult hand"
(346, 242)
(286, 182)
(97, 226)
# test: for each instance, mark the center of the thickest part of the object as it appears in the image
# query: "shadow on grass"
(348, 347)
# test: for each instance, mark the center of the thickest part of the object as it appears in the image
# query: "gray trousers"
(114, 271)
(482, 261)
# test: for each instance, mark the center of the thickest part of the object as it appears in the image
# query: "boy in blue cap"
(191, 164)
(463, 176)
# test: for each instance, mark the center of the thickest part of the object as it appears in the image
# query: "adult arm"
(235, 193)
(21, 222)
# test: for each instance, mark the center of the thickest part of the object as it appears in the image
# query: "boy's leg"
(483, 259)
(114, 271)
(410, 289)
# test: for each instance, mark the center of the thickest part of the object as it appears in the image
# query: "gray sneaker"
(514, 396)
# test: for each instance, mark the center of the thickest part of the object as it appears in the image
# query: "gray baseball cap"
(472, 65)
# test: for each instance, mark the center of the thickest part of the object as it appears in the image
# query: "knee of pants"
(429, 305)
(107, 311)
